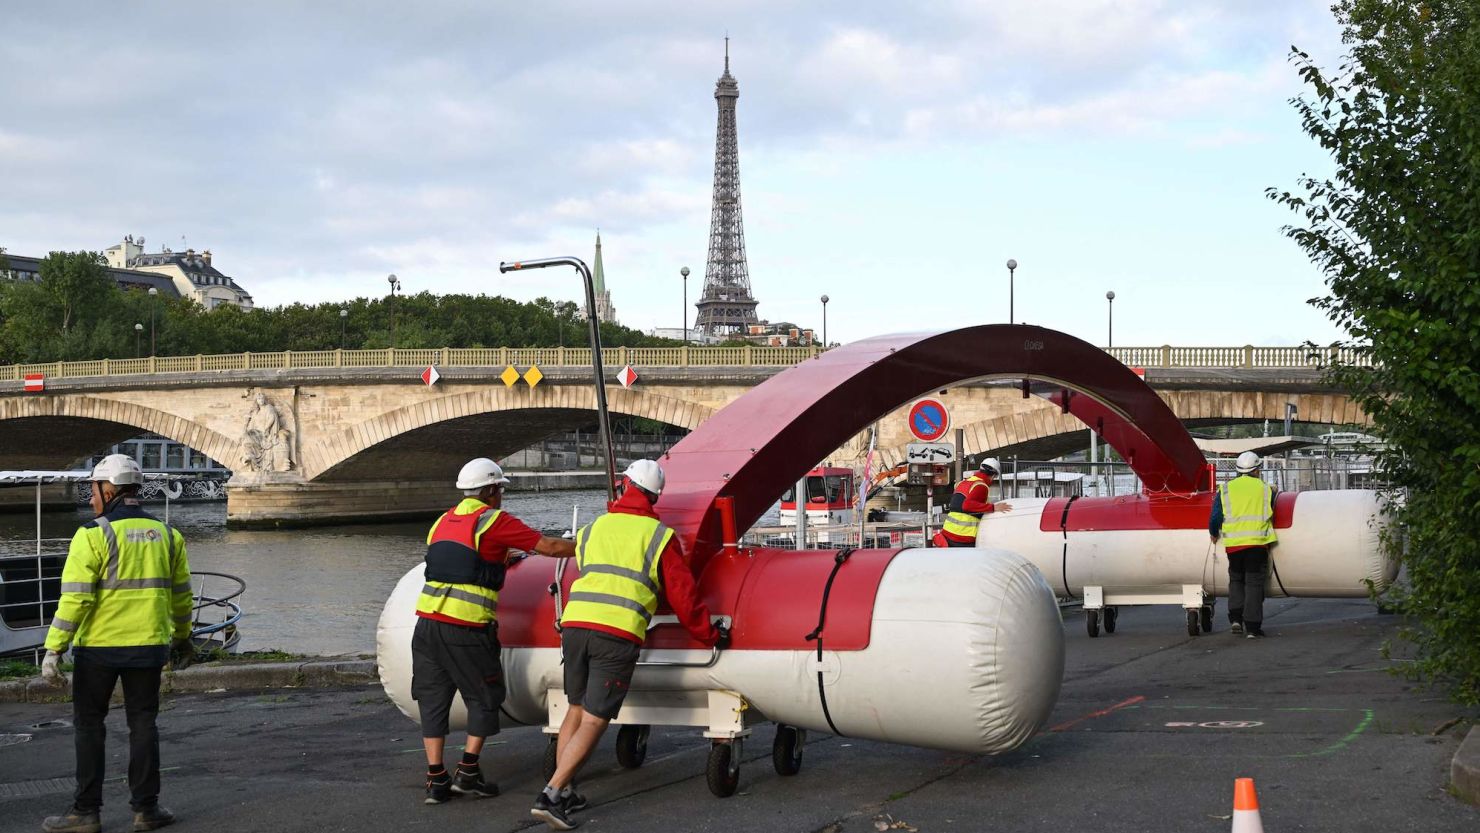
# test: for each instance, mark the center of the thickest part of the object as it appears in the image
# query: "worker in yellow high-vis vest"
(627, 557)
(455, 647)
(126, 600)
(1243, 516)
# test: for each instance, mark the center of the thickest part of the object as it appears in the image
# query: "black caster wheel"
(1092, 622)
(1207, 619)
(1192, 622)
(786, 750)
(1111, 614)
(548, 763)
(723, 770)
(632, 745)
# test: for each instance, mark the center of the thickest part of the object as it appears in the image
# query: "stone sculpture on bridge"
(267, 443)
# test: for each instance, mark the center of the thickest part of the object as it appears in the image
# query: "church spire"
(598, 273)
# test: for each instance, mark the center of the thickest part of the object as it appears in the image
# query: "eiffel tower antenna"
(726, 306)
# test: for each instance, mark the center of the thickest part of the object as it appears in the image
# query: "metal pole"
(1011, 269)
(603, 419)
(801, 518)
(960, 454)
(1110, 323)
(684, 273)
(1094, 456)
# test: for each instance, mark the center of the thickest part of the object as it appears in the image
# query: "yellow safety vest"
(618, 556)
(126, 584)
(471, 603)
(962, 524)
(1248, 512)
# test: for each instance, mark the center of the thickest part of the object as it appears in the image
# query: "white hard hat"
(118, 469)
(647, 475)
(479, 473)
(990, 464)
(1247, 462)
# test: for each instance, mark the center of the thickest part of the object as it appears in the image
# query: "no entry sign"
(929, 420)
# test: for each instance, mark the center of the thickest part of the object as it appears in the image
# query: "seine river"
(318, 590)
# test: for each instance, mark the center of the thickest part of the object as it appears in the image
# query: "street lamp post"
(343, 325)
(138, 338)
(1011, 268)
(153, 302)
(395, 285)
(825, 299)
(684, 273)
(1110, 322)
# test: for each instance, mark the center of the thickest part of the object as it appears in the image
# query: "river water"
(318, 590)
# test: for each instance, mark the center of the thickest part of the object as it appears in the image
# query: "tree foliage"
(76, 311)
(1397, 233)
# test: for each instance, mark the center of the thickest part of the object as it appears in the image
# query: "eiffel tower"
(726, 306)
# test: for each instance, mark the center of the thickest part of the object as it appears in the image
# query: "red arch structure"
(763, 442)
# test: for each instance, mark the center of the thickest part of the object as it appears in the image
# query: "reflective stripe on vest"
(618, 555)
(470, 603)
(963, 524)
(131, 602)
(1248, 512)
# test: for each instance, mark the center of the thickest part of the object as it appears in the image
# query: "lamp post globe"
(395, 284)
(1011, 269)
(343, 323)
(138, 335)
(684, 273)
(153, 295)
(1110, 321)
(825, 299)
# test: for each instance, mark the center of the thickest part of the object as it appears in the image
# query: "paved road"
(1146, 737)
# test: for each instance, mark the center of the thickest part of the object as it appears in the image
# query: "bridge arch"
(48, 432)
(438, 435)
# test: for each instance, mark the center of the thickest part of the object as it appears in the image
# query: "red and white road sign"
(627, 376)
(35, 382)
(430, 375)
(929, 420)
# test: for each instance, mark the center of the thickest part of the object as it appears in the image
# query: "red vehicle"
(831, 497)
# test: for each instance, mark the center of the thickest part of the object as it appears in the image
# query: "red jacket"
(678, 580)
(970, 497)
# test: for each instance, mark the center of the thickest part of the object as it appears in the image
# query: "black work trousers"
(1246, 569)
(92, 686)
(448, 659)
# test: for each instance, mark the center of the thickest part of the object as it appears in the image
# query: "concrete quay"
(1149, 733)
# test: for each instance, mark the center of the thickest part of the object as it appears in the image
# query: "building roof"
(126, 278)
(195, 267)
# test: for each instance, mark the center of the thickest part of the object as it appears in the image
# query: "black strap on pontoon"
(1064, 528)
(816, 635)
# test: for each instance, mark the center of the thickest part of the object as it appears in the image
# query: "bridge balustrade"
(1165, 356)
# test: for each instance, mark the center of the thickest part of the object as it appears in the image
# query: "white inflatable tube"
(1332, 548)
(966, 653)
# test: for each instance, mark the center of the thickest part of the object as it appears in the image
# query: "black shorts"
(598, 669)
(449, 659)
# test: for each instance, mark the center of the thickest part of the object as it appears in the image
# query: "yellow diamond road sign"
(532, 376)
(509, 376)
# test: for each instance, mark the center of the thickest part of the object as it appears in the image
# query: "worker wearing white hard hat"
(455, 647)
(126, 602)
(626, 557)
(1243, 516)
(969, 502)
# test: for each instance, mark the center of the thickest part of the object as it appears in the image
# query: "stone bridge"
(327, 437)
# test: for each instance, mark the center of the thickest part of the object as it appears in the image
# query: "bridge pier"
(292, 502)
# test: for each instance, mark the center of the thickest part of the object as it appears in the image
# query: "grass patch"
(11, 669)
(216, 656)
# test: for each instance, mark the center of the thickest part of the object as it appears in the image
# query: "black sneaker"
(439, 788)
(1235, 627)
(574, 802)
(152, 818)
(552, 813)
(470, 782)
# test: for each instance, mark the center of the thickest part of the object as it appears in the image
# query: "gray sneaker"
(1236, 627)
(73, 821)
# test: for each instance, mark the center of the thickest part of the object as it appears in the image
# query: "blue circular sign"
(929, 420)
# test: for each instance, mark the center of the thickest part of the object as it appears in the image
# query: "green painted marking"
(1337, 746)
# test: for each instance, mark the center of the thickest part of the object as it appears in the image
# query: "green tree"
(1396, 231)
(59, 315)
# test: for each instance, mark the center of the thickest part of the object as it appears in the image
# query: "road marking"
(1340, 744)
(1101, 713)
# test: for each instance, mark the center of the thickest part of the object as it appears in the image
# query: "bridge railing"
(1166, 356)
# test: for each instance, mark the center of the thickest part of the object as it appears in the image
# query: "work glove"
(722, 638)
(182, 654)
(51, 668)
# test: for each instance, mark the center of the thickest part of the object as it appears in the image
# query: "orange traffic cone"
(1246, 807)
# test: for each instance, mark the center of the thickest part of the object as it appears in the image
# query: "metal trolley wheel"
(723, 770)
(1092, 622)
(548, 763)
(1111, 614)
(786, 750)
(1194, 615)
(632, 744)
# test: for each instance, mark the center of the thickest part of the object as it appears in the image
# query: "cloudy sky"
(892, 155)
